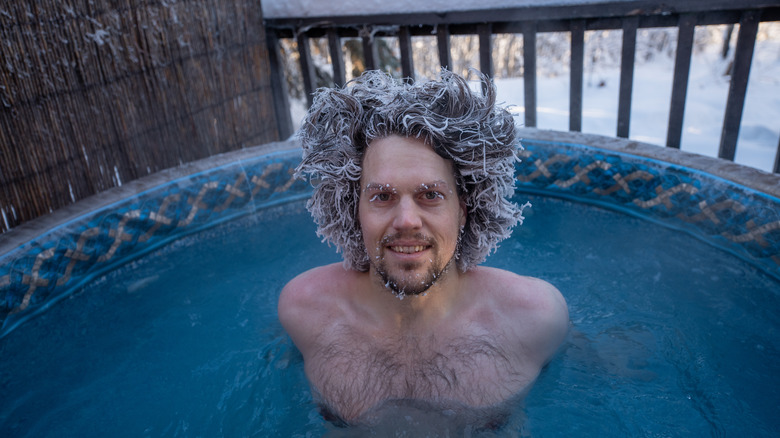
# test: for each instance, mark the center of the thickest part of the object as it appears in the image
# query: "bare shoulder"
(310, 299)
(518, 291)
(315, 287)
(534, 307)
(314, 280)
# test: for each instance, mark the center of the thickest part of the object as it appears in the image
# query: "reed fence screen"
(95, 94)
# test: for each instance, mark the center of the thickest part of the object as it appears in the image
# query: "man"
(412, 182)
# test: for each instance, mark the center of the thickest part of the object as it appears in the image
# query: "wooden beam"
(682, 68)
(407, 57)
(279, 87)
(307, 67)
(740, 72)
(539, 12)
(776, 168)
(369, 51)
(628, 53)
(485, 33)
(443, 44)
(336, 58)
(529, 72)
(576, 73)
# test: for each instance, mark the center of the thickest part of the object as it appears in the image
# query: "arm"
(550, 319)
(297, 307)
(311, 303)
(535, 312)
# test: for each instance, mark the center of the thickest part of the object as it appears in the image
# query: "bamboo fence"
(97, 93)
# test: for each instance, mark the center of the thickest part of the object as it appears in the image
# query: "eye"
(433, 195)
(380, 197)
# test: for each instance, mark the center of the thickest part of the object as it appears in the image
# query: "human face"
(410, 213)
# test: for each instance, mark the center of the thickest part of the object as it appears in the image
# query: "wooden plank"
(576, 72)
(682, 68)
(485, 33)
(369, 51)
(307, 67)
(740, 72)
(529, 72)
(443, 44)
(626, 75)
(776, 168)
(407, 60)
(336, 58)
(278, 87)
(539, 12)
(348, 26)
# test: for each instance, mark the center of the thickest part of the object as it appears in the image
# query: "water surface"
(670, 337)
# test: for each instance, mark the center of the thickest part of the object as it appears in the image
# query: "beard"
(404, 280)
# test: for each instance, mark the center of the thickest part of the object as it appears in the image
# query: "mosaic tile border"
(46, 269)
(49, 267)
(738, 219)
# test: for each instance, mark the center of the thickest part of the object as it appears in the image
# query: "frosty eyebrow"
(439, 185)
(377, 187)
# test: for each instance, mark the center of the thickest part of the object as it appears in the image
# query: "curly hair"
(461, 125)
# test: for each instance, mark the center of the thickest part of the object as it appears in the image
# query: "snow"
(323, 8)
(705, 106)
(708, 86)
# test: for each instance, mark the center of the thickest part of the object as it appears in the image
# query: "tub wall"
(36, 272)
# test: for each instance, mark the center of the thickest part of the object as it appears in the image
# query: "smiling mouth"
(408, 249)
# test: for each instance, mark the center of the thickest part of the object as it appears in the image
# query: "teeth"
(407, 249)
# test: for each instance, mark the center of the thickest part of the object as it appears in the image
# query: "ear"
(463, 213)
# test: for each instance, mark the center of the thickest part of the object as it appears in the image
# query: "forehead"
(396, 160)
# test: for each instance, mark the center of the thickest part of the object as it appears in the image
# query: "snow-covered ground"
(705, 106)
(707, 87)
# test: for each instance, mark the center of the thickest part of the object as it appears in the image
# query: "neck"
(410, 312)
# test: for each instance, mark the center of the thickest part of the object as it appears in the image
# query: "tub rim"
(749, 177)
(34, 228)
(546, 169)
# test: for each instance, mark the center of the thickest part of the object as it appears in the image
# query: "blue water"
(670, 337)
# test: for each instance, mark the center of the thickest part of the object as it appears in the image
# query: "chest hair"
(355, 372)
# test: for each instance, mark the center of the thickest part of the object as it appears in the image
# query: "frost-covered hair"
(461, 125)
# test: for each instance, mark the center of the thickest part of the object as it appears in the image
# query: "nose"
(407, 215)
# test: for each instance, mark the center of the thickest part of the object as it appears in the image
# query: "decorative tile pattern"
(52, 266)
(736, 218)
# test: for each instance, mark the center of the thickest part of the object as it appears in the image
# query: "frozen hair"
(461, 125)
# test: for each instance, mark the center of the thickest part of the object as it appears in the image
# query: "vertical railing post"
(576, 74)
(529, 72)
(407, 60)
(627, 56)
(682, 67)
(577, 24)
(369, 49)
(284, 123)
(336, 58)
(740, 72)
(443, 44)
(776, 168)
(485, 32)
(307, 67)
(724, 51)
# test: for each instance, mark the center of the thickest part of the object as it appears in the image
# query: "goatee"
(413, 284)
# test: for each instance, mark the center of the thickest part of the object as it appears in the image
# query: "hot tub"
(150, 310)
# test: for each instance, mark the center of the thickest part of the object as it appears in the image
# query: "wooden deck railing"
(628, 16)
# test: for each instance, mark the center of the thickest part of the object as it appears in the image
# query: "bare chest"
(355, 373)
